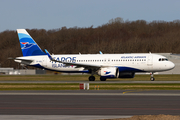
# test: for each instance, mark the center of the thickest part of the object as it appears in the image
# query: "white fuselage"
(135, 62)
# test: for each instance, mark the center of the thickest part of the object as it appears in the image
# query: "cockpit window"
(163, 59)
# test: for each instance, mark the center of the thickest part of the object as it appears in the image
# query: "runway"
(110, 103)
(87, 104)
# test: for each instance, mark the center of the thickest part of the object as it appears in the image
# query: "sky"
(55, 14)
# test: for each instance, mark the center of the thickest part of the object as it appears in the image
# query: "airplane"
(104, 65)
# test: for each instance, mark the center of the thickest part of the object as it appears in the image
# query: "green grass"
(84, 77)
(75, 86)
(39, 86)
(138, 86)
(101, 86)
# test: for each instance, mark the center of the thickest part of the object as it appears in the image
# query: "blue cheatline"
(129, 69)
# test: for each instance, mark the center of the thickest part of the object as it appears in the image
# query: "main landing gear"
(102, 79)
(152, 78)
(92, 78)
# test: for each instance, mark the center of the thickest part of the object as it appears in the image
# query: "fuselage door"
(150, 60)
(44, 61)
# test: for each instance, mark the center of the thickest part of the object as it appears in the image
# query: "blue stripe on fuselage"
(129, 69)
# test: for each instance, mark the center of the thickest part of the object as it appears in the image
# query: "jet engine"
(110, 72)
(113, 72)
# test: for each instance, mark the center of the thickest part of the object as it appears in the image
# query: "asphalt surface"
(87, 105)
(118, 102)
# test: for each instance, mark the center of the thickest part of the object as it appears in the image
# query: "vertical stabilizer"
(28, 46)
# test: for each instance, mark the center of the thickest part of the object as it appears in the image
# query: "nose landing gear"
(152, 78)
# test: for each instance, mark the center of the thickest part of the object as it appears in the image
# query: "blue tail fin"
(28, 46)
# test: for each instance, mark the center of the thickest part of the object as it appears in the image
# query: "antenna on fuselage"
(100, 52)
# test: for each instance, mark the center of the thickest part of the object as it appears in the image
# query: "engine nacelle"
(110, 72)
(113, 72)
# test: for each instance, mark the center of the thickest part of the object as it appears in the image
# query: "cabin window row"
(117, 60)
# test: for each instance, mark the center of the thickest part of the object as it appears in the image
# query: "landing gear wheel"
(91, 78)
(102, 79)
(152, 78)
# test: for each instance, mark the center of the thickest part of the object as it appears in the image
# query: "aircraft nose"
(171, 65)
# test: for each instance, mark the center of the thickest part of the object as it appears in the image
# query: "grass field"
(93, 86)
(85, 77)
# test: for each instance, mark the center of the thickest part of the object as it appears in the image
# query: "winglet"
(100, 52)
(49, 55)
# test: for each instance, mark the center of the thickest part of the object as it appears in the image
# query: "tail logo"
(27, 45)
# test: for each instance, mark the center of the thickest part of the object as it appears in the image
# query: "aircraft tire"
(91, 78)
(102, 79)
(152, 79)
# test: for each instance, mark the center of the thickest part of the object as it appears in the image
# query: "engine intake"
(109, 72)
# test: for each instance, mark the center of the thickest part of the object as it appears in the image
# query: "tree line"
(117, 36)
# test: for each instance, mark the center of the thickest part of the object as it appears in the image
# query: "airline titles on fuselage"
(74, 60)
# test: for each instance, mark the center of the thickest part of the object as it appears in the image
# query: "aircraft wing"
(80, 65)
(71, 63)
